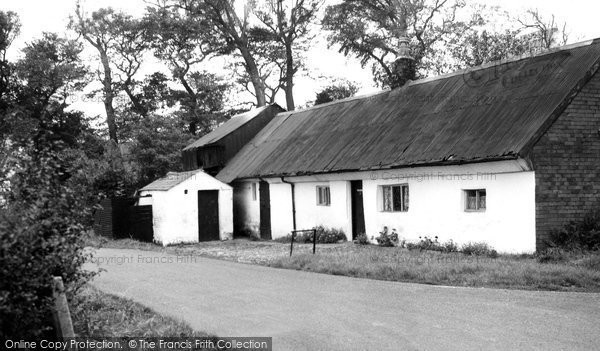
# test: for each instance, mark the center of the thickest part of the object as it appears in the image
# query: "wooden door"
(208, 215)
(265, 210)
(358, 213)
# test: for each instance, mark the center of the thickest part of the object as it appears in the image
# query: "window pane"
(387, 198)
(397, 198)
(405, 198)
(471, 199)
(323, 197)
(481, 205)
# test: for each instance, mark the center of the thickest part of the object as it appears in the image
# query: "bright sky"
(38, 16)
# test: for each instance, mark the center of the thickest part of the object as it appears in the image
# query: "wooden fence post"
(61, 314)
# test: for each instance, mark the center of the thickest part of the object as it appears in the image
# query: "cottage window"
(254, 192)
(475, 200)
(323, 196)
(395, 198)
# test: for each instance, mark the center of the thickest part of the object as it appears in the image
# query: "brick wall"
(567, 164)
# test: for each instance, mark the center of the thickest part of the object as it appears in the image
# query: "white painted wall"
(175, 214)
(246, 210)
(281, 209)
(436, 204)
(336, 215)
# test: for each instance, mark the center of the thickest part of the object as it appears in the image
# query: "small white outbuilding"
(189, 207)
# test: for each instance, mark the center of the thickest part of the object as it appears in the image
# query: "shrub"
(478, 249)
(324, 236)
(387, 239)
(584, 235)
(426, 243)
(450, 246)
(329, 235)
(41, 236)
(362, 239)
(551, 255)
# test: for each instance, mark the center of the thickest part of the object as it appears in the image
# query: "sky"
(38, 16)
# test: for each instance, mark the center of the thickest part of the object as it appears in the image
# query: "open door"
(208, 215)
(358, 213)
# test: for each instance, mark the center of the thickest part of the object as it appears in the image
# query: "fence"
(314, 235)
(119, 218)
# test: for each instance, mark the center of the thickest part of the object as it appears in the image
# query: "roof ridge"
(351, 98)
(455, 73)
(503, 61)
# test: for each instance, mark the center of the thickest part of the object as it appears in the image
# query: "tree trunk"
(137, 106)
(108, 97)
(193, 127)
(289, 78)
(252, 69)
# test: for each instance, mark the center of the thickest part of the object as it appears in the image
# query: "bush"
(478, 249)
(450, 246)
(551, 255)
(324, 236)
(329, 235)
(584, 235)
(387, 239)
(362, 239)
(426, 243)
(41, 236)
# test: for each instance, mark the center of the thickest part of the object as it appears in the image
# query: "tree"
(43, 219)
(476, 48)
(337, 91)
(129, 46)
(545, 31)
(525, 35)
(234, 30)
(183, 41)
(49, 71)
(9, 30)
(370, 31)
(97, 30)
(288, 26)
(220, 20)
(157, 146)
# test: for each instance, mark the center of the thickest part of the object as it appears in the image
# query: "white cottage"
(501, 153)
(189, 207)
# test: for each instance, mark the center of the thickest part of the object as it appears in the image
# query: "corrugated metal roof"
(488, 113)
(170, 180)
(227, 127)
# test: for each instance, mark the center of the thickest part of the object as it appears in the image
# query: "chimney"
(404, 66)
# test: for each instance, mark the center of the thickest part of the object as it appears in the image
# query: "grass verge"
(574, 272)
(99, 315)
(581, 273)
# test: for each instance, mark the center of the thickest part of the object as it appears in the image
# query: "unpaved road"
(309, 311)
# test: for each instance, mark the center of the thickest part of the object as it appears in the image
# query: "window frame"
(477, 200)
(404, 204)
(327, 195)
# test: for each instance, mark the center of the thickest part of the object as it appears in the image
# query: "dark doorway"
(208, 215)
(358, 213)
(265, 210)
